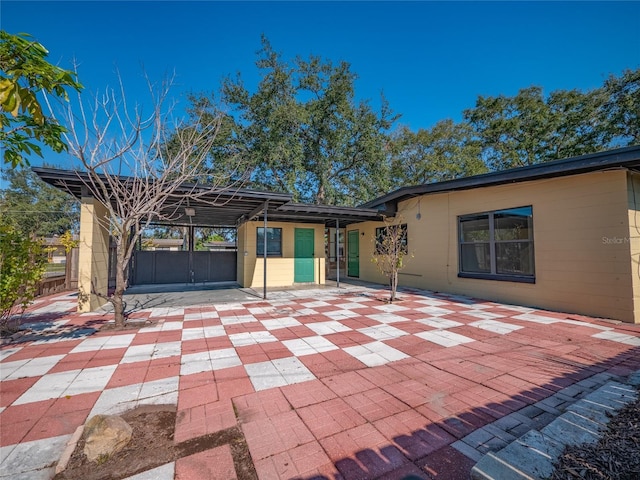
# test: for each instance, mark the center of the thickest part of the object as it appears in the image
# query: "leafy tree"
(25, 73)
(390, 251)
(305, 133)
(512, 130)
(623, 106)
(22, 265)
(36, 208)
(530, 127)
(444, 152)
(224, 145)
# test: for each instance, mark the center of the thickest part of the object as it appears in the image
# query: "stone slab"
(530, 457)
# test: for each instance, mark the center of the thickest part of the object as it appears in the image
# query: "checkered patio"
(325, 382)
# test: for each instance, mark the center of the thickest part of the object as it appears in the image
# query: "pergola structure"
(217, 207)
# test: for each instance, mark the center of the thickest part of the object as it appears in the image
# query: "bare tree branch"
(143, 167)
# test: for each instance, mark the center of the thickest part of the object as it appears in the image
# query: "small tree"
(22, 265)
(136, 166)
(390, 251)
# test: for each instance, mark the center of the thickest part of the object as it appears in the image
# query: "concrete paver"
(323, 382)
(163, 472)
(533, 454)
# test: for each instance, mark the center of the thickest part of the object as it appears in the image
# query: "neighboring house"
(167, 244)
(562, 235)
(56, 251)
(220, 245)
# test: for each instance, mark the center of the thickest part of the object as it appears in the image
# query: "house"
(56, 251)
(563, 235)
(158, 244)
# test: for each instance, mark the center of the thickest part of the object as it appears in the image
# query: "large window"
(497, 245)
(274, 242)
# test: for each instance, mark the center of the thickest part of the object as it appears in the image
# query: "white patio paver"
(277, 323)
(278, 373)
(382, 332)
(444, 338)
(74, 382)
(33, 460)
(495, 326)
(375, 353)
(326, 328)
(30, 367)
(309, 345)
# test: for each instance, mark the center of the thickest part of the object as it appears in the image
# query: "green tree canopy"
(25, 74)
(444, 152)
(532, 127)
(36, 208)
(304, 132)
(504, 132)
(622, 96)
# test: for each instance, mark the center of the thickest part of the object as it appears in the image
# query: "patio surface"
(324, 383)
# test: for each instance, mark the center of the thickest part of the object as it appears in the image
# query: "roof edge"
(625, 157)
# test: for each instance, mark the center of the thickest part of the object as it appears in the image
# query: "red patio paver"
(214, 464)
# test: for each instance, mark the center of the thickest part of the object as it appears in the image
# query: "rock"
(105, 435)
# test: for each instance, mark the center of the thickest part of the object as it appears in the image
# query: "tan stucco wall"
(93, 255)
(580, 266)
(633, 194)
(280, 270)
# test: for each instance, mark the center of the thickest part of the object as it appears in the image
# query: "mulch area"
(616, 456)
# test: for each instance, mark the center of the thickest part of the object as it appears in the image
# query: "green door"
(353, 253)
(303, 253)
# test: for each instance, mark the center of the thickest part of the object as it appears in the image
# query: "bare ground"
(152, 445)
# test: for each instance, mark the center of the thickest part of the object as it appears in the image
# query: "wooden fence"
(64, 282)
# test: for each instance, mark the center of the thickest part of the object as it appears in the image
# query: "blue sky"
(431, 59)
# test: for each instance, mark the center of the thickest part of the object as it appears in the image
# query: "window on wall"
(497, 245)
(274, 242)
(392, 231)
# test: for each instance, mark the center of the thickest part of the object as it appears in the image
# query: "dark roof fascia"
(327, 214)
(77, 179)
(328, 209)
(628, 157)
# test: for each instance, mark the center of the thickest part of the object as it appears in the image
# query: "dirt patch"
(616, 456)
(152, 445)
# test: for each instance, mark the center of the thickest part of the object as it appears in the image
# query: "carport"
(224, 207)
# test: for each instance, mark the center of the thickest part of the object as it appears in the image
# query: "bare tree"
(142, 166)
(390, 251)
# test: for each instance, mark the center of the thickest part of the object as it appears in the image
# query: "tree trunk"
(321, 195)
(121, 285)
(394, 285)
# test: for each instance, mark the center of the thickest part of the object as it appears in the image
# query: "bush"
(22, 265)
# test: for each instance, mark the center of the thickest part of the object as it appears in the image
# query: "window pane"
(513, 224)
(475, 258)
(474, 229)
(514, 258)
(274, 241)
(388, 237)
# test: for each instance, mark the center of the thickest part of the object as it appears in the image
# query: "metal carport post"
(264, 256)
(337, 253)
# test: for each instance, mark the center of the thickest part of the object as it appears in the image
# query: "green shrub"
(22, 265)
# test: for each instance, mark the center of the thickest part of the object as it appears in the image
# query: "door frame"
(350, 235)
(309, 277)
